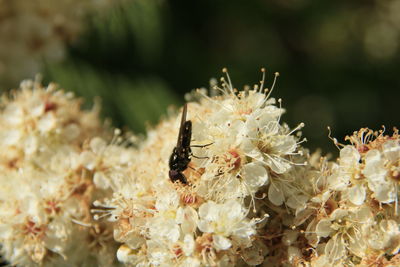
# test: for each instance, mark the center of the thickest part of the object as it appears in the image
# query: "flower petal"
(221, 242)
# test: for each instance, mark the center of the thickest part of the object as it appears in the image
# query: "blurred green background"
(338, 60)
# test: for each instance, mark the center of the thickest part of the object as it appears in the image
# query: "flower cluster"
(36, 122)
(222, 183)
(47, 168)
(353, 215)
(33, 30)
(363, 226)
(241, 156)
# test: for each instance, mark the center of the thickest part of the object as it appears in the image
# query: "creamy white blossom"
(249, 194)
(352, 220)
(239, 145)
(46, 189)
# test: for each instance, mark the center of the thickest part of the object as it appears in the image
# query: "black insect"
(181, 155)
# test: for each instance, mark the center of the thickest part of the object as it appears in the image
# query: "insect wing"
(181, 127)
(186, 135)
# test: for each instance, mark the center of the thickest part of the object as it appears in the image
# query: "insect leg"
(182, 178)
(202, 145)
(195, 170)
(200, 157)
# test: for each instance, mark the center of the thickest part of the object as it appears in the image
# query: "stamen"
(262, 80)
(214, 102)
(81, 223)
(335, 141)
(225, 70)
(273, 84)
(298, 127)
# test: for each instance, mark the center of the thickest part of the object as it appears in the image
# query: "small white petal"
(323, 228)
(335, 249)
(101, 180)
(254, 255)
(374, 169)
(297, 201)
(30, 145)
(339, 214)
(357, 194)
(277, 164)
(188, 244)
(234, 208)
(293, 254)
(71, 131)
(275, 195)
(255, 174)
(209, 211)
(10, 137)
(251, 150)
(205, 226)
(391, 150)
(363, 214)
(349, 156)
(337, 181)
(47, 123)
(188, 220)
(221, 243)
(13, 114)
(125, 254)
(88, 160)
(97, 145)
(289, 237)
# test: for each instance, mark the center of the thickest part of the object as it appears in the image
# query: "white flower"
(163, 229)
(344, 227)
(384, 236)
(255, 175)
(188, 245)
(128, 255)
(391, 150)
(35, 120)
(227, 222)
(187, 218)
(45, 192)
(238, 146)
(348, 167)
(376, 174)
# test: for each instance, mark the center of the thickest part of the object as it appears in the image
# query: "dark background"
(338, 60)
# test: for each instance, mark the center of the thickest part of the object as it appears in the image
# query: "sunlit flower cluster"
(241, 153)
(37, 121)
(222, 182)
(47, 168)
(353, 215)
(31, 31)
